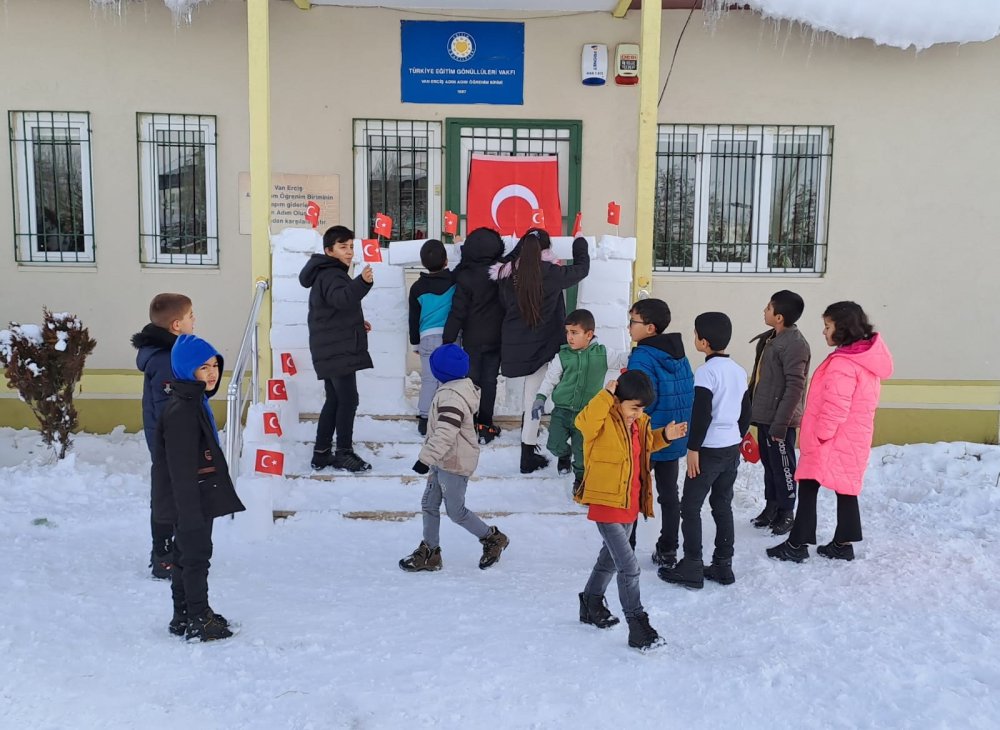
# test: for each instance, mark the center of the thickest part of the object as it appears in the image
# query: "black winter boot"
(531, 460)
(666, 558)
(788, 552)
(688, 573)
(322, 458)
(766, 517)
(179, 623)
(594, 611)
(565, 464)
(721, 571)
(493, 544)
(422, 425)
(486, 432)
(833, 551)
(347, 460)
(783, 521)
(162, 563)
(207, 627)
(641, 635)
(423, 558)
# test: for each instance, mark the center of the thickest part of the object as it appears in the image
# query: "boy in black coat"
(338, 342)
(169, 315)
(191, 484)
(476, 314)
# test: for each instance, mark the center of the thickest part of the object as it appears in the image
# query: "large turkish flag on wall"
(506, 194)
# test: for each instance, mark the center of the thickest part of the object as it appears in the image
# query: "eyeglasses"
(635, 321)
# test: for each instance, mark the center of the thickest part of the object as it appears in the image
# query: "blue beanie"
(449, 362)
(188, 354)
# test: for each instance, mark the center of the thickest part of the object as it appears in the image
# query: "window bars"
(742, 199)
(51, 182)
(178, 199)
(398, 172)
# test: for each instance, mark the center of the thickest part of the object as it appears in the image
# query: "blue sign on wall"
(459, 62)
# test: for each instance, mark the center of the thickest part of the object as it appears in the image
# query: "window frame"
(22, 141)
(150, 225)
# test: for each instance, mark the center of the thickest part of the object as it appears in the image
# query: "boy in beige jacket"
(449, 457)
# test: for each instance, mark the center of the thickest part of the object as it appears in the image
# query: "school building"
(752, 156)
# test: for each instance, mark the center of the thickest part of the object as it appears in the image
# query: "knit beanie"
(714, 327)
(449, 362)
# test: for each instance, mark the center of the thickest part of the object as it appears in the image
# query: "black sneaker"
(721, 571)
(531, 460)
(766, 517)
(422, 425)
(162, 565)
(179, 623)
(347, 460)
(641, 635)
(207, 627)
(423, 558)
(486, 432)
(493, 544)
(565, 464)
(665, 558)
(783, 522)
(788, 552)
(833, 551)
(321, 459)
(688, 573)
(594, 611)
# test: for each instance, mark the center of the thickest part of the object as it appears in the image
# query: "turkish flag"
(383, 226)
(371, 252)
(312, 213)
(269, 462)
(750, 449)
(577, 227)
(505, 193)
(450, 222)
(272, 424)
(614, 213)
(276, 389)
(288, 364)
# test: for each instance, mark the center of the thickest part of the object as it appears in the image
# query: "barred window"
(742, 199)
(53, 202)
(178, 201)
(397, 171)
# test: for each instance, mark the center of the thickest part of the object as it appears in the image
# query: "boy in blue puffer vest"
(661, 356)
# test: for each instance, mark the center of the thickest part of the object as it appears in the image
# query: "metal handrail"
(236, 396)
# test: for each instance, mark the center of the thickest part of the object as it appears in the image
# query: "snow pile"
(900, 23)
(180, 8)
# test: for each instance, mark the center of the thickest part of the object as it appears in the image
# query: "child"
(777, 396)
(430, 303)
(617, 443)
(660, 355)
(338, 342)
(191, 484)
(450, 454)
(837, 430)
(720, 418)
(476, 315)
(575, 375)
(169, 315)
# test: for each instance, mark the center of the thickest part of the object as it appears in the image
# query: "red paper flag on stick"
(577, 226)
(272, 425)
(614, 213)
(288, 364)
(383, 225)
(750, 449)
(269, 462)
(450, 222)
(312, 213)
(276, 389)
(371, 252)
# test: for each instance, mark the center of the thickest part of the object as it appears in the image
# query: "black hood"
(153, 336)
(483, 247)
(316, 263)
(668, 342)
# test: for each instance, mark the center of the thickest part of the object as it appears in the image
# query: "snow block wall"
(383, 390)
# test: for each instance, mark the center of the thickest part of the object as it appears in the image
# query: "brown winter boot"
(423, 558)
(493, 544)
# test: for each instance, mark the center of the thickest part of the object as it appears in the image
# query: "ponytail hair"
(850, 323)
(528, 275)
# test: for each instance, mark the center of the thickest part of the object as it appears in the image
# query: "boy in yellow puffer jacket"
(617, 444)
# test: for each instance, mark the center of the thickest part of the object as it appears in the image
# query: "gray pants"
(617, 556)
(443, 485)
(428, 383)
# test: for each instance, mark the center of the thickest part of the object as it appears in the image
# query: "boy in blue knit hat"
(449, 457)
(191, 484)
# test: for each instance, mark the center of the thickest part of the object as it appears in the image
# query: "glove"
(420, 467)
(537, 408)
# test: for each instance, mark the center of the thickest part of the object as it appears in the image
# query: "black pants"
(715, 481)
(189, 577)
(848, 517)
(338, 412)
(668, 497)
(163, 536)
(484, 367)
(778, 460)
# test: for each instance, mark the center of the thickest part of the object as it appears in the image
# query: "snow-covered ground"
(332, 634)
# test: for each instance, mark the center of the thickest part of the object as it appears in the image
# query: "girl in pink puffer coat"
(837, 428)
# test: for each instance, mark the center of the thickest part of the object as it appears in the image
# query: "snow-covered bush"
(44, 364)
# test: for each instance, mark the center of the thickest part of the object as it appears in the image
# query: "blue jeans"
(616, 556)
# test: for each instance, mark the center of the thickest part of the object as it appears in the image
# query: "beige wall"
(916, 165)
